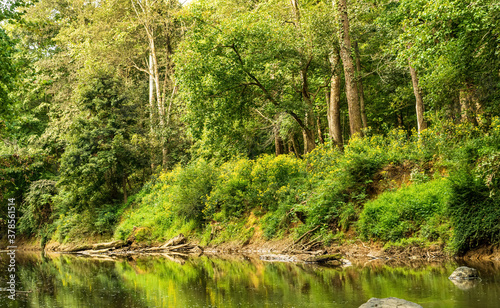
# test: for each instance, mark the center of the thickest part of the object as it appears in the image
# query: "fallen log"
(94, 251)
(113, 244)
(80, 248)
(324, 258)
(178, 240)
(308, 233)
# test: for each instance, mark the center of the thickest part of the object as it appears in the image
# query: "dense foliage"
(231, 119)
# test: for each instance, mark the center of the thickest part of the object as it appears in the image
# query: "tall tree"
(359, 83)
(100, 155)
(333, 102)
(355, 122)
(157, 19)
(419, 103)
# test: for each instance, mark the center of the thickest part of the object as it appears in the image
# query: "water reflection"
(237, 281)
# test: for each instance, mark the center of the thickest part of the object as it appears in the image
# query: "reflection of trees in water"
(144, 281)
(68, 281)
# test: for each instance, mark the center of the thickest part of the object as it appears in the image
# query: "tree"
(453, 47)
(229, 66)
(101, 154)
(162, 33)
(333, 102)
(355, 121)
(419, 104)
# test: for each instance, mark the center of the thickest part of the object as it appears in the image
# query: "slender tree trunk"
(151, 107)
(307, 131)
(333, 101)
(295, 146)
(355, 122)
(421, 124)
(309, 140)
(361, 92)
(399, 119)
(320, 133)
(278, 143)
(160, 100)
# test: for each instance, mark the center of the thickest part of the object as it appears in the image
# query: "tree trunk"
(361, 92)
(469, 106)
(151, 107)
(295, 146)
(399, 119)
(320, 133)
(278, 143)
(307, 130)
(333, 101)
(421, 124)
(160, 101)
(355, 122)
(143, 10)
(309, 140)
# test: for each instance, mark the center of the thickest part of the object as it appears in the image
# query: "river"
(67, 281)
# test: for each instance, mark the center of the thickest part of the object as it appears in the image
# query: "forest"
(230, 120)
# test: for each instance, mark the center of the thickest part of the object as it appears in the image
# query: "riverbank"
(355, 250)
(433, 195)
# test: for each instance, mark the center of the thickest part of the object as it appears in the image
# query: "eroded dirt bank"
(352, 250)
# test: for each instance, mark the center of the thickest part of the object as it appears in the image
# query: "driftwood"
(177, 244)
(307, 258)
(324, 258)
(80, 248)
(98, 246)
(93, 251)
(305, 247)
(178, 240)
(113, 244)
(188, 248)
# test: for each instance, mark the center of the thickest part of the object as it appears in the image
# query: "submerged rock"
(464, 273)
(465, 284)
(391, 302)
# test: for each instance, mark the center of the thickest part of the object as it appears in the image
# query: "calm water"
(68, 282)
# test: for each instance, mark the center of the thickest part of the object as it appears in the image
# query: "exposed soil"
(485, 253)
(351, 250)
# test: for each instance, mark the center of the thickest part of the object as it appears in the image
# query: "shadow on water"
(59, 280)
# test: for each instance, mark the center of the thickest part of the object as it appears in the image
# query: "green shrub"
(274, 223)
(403, 213)
(232, 193)
(190, 188)
(274, 175)
(37, 208)
(474, 212)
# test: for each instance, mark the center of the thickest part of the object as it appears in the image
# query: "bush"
(474, 212)
(190, 188)
(403, 213)
(272, 176)
(232, 193)
(37, 207)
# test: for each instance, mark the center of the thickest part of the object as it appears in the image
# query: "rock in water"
(465, 285)
(464, 273)
(391, 302)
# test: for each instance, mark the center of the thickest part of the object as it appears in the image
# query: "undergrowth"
(336, 193)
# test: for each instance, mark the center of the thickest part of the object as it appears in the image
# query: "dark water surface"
(67, 281)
